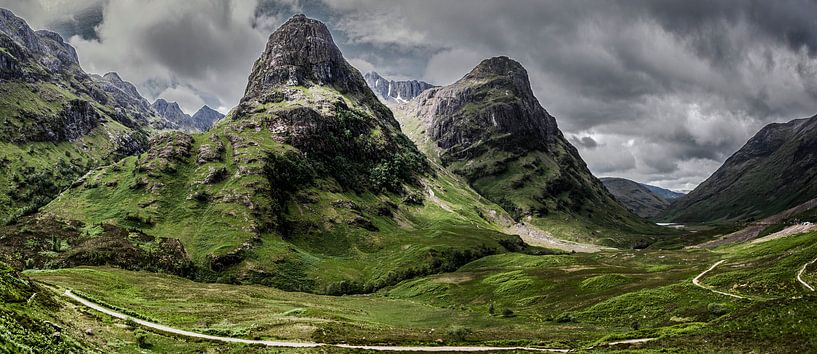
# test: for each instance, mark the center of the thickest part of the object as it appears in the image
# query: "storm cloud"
(657, 91)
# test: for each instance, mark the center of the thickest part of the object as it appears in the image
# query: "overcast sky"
(661, 92)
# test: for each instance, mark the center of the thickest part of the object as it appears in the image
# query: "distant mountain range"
(397, 91)
(775, 170)
(645, 200)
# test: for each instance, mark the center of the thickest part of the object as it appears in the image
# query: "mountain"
(490, 129)
(399, 91)
(663, 192)
(127, 100)
(774, 171)
(645, 200)
(308, 184)
(56, 122)
(171, 112)
(205, 117)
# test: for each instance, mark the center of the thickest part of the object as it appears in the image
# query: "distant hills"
(645, 200)
(775, 170)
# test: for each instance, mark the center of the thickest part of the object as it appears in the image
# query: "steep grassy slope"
(55, 123)
(27, 318)
(637, 197)
(774, 171)
(489, 128)
(307, 185)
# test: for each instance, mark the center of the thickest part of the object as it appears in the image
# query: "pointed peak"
(497, 66)
(302, 53)
(112, 76)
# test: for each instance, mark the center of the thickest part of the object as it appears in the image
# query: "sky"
(661, 92)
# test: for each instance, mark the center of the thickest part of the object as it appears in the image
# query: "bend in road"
(800, 275)
(697, 281)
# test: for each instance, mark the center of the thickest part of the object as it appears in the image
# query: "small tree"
(141, 338)
(491, 309)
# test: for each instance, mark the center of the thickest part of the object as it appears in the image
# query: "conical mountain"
(775, 170)
(308, 184)
(205, 117)
(489, 128)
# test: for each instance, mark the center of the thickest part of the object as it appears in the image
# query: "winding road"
(800, 274)
(697, 281)
(183, 333)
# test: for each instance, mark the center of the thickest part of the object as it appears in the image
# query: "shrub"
(458, 333)
(506, 312)
(141, 338)
(717, 309)
(491, 309)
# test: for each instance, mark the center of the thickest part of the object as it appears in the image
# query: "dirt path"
(800, 274)
(183, 333)
(697, 281)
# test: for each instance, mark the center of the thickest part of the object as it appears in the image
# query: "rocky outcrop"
(775, 170)
(50, 49)
(205, 117)
(494, 101)
(399, 91)
(303, 53)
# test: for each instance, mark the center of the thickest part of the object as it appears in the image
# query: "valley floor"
(743, 298)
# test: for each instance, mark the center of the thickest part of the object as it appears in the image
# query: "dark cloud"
(585, 142)
(655, 90)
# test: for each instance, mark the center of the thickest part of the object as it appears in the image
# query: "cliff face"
(399, 91)
(774, 171)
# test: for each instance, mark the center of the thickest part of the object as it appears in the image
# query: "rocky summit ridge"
(392, 90)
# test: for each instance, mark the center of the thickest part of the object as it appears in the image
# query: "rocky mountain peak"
(49, 47)
(112, 77)
(302, 53)
(497, 66)
(204, 118)
(391, 90)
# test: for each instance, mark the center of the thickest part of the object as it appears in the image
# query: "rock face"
(127, 101)
(204, 118)
(171, 112)
(303, 53)
(774, 171)
(49, 48)
(644, 200)
(489, 128)
(399, 91)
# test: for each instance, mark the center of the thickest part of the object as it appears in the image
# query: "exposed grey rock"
(127, 100)
(503, 106)
(173, 114)
(303, 53)
(399, 91)
(205, 117)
